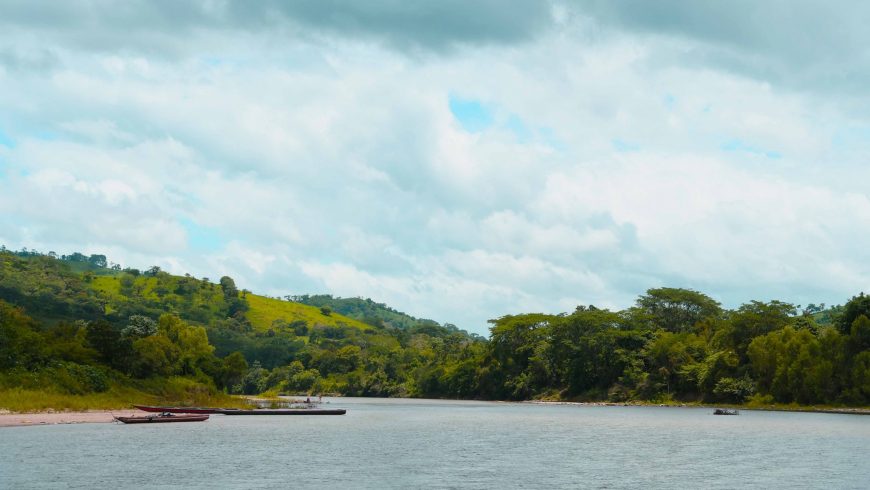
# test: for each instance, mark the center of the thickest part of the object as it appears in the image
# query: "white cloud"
(614, 163)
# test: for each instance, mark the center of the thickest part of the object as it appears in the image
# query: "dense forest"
(76, 326)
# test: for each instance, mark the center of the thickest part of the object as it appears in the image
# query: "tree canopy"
(77, 325)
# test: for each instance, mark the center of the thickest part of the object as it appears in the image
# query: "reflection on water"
(430, 443)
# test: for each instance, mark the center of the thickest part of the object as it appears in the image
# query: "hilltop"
(374, 313)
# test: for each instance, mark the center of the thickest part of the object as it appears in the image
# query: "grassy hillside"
(379, 314)
(266, 311)
(168, 290)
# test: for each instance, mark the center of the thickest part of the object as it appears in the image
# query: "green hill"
(77, 331)
(265, 312)
(91, 330)
(374, 313)
(174, 293)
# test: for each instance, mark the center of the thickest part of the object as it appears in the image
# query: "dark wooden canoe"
(158, 419)
(283, 411)
(200, 410)
(726, 411)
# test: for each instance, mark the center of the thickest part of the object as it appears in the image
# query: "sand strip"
(51, 418)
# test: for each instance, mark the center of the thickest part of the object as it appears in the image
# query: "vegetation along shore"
(80, 333)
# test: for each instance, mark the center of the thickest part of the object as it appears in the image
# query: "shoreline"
(14, 419)
(841, 411)
(63, 418)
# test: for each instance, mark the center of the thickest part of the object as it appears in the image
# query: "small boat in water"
(283, 411)
(199, 410)
(162, 418)
(726, 411)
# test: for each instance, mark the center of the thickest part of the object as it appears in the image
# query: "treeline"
(79, 326)
(88, 356)
(76, 326)
(677, 344)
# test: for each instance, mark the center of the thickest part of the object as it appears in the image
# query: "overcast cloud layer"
(456, 160)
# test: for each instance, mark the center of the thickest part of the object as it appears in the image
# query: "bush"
(759, 400)
(734, 390)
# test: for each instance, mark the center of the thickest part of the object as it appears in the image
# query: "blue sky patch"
(549, 136)
(516, 125)
(46, 135)
(5, 140)
(471, 114)
(851, 137)
(212, 60)
(624, 146)
(202, 238)
(736, 145)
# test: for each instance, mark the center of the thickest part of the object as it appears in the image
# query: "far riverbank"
(810, 409)
(10, 419)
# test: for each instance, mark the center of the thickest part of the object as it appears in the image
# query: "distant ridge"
(378, 314)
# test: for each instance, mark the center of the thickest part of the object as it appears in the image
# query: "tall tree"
(855, 307)
(677, 310)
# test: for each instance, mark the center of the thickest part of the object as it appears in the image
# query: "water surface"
(396, 443)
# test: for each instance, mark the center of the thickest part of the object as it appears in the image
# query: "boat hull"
(155, 419)
(194, 410)
(235, 411)
(726, 411)
(284, 411)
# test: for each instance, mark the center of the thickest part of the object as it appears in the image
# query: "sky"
(457, 160)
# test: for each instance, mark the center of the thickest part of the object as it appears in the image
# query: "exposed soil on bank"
(52, 418)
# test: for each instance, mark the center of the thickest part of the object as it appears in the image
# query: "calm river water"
(394, 443)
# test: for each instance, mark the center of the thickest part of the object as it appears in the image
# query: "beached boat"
(283, 411)
(197, 410)
(162, 418)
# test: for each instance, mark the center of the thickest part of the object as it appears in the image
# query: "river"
(399, 443)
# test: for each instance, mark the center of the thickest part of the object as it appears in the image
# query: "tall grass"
(159, 391)
(36, 400)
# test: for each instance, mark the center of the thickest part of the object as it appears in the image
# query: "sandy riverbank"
(51, 418)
